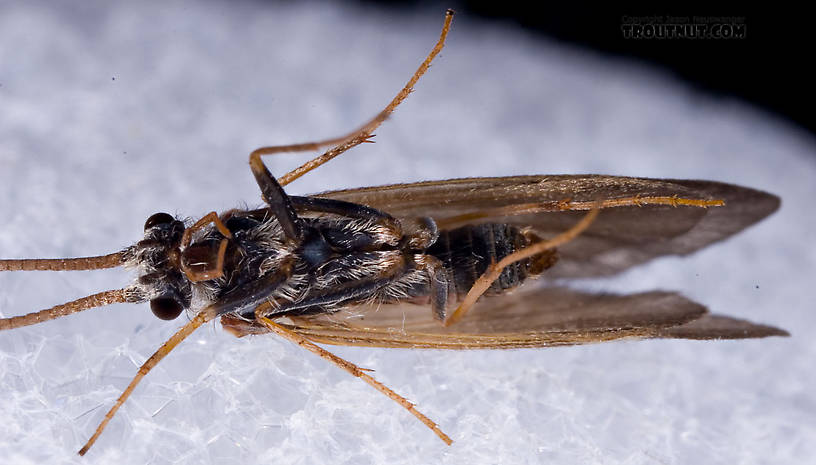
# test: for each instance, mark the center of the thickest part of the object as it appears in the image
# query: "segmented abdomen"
(466, 252)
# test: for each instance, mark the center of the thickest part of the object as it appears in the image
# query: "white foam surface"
(111, 112)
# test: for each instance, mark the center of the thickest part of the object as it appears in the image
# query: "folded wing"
(621, 237)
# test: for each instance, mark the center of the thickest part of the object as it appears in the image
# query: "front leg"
(195, 261)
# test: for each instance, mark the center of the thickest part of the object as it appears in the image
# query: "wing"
(620, 238)
(540, 317)
(549, 316)
(537, 317)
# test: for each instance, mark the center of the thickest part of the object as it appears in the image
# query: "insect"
(405, 265)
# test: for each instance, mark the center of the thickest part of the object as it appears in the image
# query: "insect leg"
(350, 278)
(389, 230)
(202, 317)
(422, 232)
(276, 198)
(351, 368)
(494, 270)
(197, 269)
(439, 283)
(252, 292)
(210, 217)
(338, 207)
(365, 132)
(359, 291)
(195, 273)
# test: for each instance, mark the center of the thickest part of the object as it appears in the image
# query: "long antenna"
(84, 303)
(62, 264)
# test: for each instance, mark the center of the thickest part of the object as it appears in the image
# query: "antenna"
(64, 264)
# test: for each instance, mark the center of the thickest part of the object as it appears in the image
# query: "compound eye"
(165, 308)
(157, 219)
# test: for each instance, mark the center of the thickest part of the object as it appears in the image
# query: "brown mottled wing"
(621, 237)
(537, 317)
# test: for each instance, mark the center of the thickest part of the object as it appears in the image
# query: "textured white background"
(111, 112)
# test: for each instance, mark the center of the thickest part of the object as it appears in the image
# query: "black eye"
(158, 218)
(165, 308)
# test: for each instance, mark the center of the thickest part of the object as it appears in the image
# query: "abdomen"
(466, 253)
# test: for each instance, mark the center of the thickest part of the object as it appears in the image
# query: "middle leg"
(349, 367)
(365, 132)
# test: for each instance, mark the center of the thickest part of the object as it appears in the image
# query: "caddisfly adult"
(312, 269)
